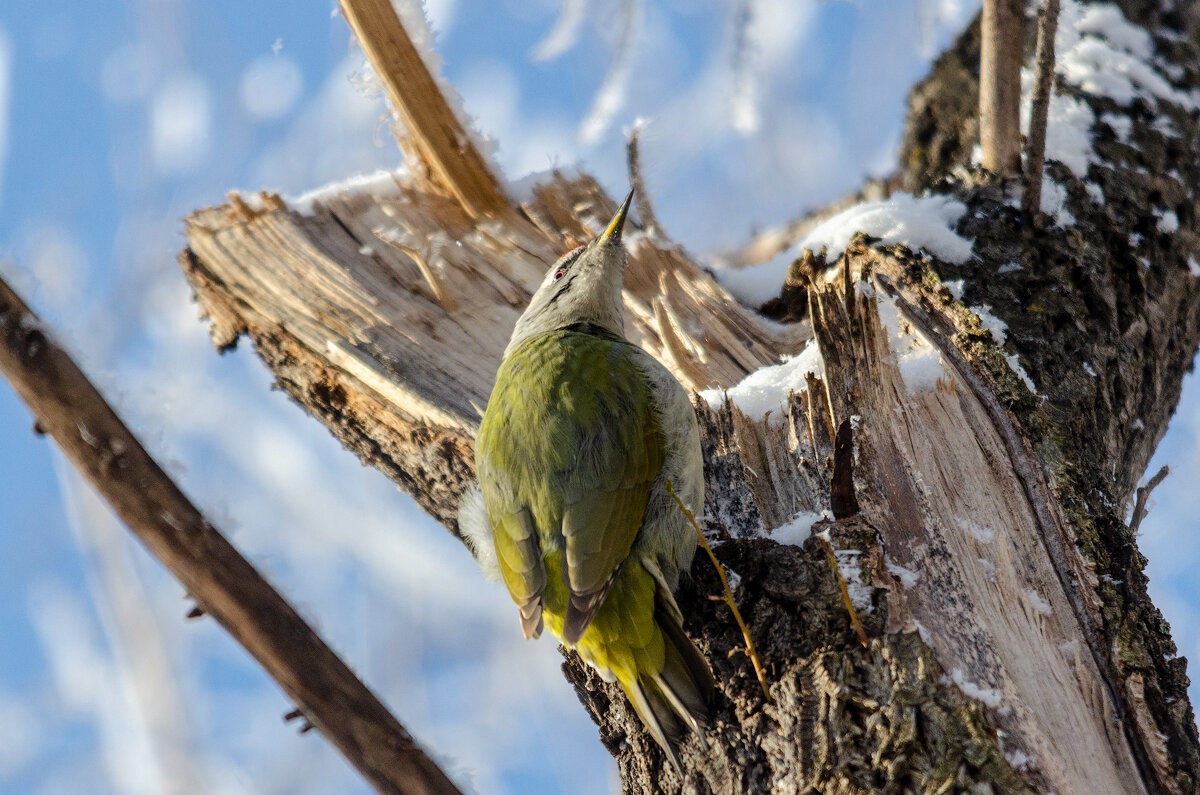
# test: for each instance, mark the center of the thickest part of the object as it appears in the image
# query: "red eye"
(558, 274)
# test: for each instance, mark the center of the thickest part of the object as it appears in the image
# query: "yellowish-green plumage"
(581, 434)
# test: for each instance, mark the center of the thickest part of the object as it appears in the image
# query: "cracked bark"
(1043, 667)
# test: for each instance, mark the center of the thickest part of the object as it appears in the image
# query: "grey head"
(584, 286)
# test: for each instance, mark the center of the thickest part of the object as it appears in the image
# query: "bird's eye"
(558, 274)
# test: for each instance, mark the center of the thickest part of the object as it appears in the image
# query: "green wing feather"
(568, 452)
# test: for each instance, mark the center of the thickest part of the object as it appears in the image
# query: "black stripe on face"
(564, 264)
(563, 286)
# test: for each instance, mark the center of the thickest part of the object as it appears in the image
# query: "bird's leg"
(858, 627)
(749, 650)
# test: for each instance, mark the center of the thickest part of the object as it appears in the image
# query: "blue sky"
(118, 118)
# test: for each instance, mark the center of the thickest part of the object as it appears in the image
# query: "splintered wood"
(960, 503)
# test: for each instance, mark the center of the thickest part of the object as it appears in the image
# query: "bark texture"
(1012, 645)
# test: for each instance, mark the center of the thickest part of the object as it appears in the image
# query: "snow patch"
(1068, 128)
(919, 361)
(798, 529)
(908, 578)
(1122, 126)
(921, 223)
(766, 389)
(984, 535)
(994, 325)
(1193, 267)
(987, 695)
(379, 183)
(1010, 267)
(1103, 53)
(1165, 127)
(925, 223)
(1054, 202)
(956, 288)
(852, 573)
(1019, 759)
(1037, 602)
(1014, 363)
(733, 578)
(1168, 221)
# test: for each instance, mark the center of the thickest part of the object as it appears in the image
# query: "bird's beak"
(613, 233)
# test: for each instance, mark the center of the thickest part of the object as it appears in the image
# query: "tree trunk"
(1012, 645)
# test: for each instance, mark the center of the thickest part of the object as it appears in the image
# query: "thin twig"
(1035, 151)
(1143, 494)
(837, 572)
(727, 598)
(223, 583)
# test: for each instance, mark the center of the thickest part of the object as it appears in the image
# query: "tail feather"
(681, 709)
(686, 671)
(680, 696)
(650, 707)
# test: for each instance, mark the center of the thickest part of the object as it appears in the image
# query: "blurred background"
(117, 118)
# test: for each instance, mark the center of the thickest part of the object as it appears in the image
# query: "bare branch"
(1000, 86)
(106, 453)
(1143, 495)
(442, 143)
(1035, 152)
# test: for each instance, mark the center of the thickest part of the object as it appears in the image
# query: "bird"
(582, 440)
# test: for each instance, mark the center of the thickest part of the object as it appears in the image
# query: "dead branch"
(443, 145)
(1035, 151)
(105, 452)
(1143, 495)
(1000, 85)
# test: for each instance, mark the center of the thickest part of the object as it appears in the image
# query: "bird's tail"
(679, 697)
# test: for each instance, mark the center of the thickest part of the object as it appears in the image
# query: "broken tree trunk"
(1011, 642)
